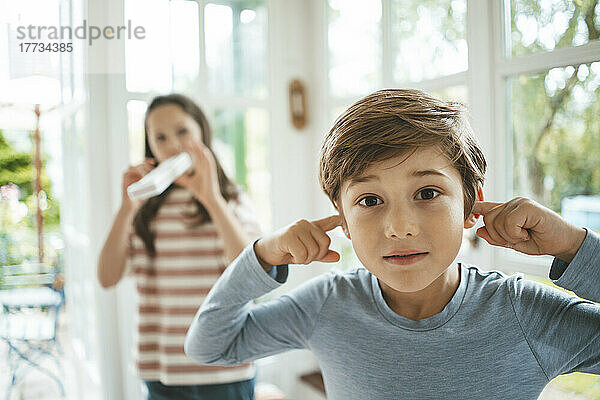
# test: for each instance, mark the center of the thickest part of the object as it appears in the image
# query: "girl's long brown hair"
(150, 208)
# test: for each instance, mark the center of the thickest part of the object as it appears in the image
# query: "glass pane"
(555, 134)
(354, 40)
(23, 22)
(453, 93)
(545, 25)
(442, 24)
(236, 47)
(241, 142)
(136, 111)
(147, 60)
(83, 325)
(185, 43)
(572, 386)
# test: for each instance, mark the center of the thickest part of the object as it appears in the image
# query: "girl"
(176, 245)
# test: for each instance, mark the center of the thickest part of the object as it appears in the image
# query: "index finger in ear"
(328, 223)
(483, 207)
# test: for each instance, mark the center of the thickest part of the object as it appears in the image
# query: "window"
(542, 26)
(235, 37)
(556, 148)
(440, 24)
(223, 67)
(54, 80)
(552, 129)
(242, 143)
(354, 39)
(550, 69)
(549, 80)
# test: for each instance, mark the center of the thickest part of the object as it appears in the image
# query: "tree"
(556, 138)
(17, 168)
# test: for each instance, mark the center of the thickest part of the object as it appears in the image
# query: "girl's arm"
(229, 228)
(113, 257)
(203, 182)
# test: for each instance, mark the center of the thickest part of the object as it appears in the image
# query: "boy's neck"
(427, 302)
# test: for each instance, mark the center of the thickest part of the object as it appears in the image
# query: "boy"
(405, 173)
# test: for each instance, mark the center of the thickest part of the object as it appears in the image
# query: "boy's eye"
(428, 194)
(182, 131)
(370, 201)
(160, 138)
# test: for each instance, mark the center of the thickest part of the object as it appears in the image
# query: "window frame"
(506, 66)
(387, 73)
(207, 100)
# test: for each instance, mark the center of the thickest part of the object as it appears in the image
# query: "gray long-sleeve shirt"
(499, 337)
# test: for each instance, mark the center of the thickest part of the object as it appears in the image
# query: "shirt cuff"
(583, 269)
(278, 272)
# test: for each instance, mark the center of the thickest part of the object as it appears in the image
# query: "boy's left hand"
(203, 179)
(528, 227)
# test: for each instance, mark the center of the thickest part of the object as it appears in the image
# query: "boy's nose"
(400, 224)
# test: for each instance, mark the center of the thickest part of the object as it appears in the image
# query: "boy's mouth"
(405, 257)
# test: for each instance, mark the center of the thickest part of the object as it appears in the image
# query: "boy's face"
(405, 218)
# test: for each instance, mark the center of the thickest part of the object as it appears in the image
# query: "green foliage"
(18, 239)
(587, 385)
(446, 35)
(15, 167)
(552, 14)
(18, 168)
(556, 132)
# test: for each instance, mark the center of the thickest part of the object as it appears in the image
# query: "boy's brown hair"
(393, 122)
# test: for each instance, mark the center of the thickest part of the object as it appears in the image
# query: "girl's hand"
(203, 180)
(132, 175)
(300, 243)
(528, 227)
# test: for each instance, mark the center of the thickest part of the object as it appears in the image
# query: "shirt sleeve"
(562, 330)
(582, 274)
(230, 329)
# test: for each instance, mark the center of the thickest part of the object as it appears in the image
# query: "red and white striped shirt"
(172, 286)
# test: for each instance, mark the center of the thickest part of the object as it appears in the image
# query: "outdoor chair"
(30, 302)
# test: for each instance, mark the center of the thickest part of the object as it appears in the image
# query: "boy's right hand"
(133, 174)
(300, 243)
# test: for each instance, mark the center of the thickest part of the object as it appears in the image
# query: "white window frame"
(207, 100)
(387, 73)
(504, 67)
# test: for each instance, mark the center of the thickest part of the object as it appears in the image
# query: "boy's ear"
(344, 225)
(472, 219)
